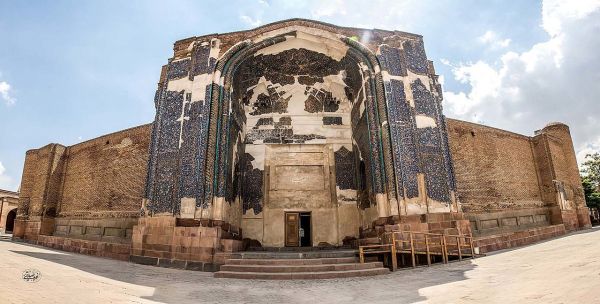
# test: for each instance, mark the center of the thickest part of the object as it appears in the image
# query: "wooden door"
(292, 223)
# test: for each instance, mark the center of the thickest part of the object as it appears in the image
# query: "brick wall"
(92, 190)
(39, 182)
(105, 177)
(495, 169)
(508, 182)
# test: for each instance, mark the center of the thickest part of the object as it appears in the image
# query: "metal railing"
(420, 243)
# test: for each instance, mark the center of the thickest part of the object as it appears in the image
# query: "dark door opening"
(305, 230)
(10, 221)
(298, 232)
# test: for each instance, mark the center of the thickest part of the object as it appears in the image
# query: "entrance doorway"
(10, 221)
(298, 229)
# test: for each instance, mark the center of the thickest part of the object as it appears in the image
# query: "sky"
(74, 70)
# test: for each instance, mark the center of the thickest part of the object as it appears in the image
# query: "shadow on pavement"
(181, 286)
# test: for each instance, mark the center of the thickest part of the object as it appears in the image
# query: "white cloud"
(492, 39)
(398, 14)
(248, 20)
(589, 148)
(6, 182)
(5, 92)
(555, 80)
(328, 9)
(556, 13)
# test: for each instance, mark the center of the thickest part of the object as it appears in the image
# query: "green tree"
(592, 195)
(591, 179)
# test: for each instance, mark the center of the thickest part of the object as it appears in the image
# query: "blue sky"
(74, 70)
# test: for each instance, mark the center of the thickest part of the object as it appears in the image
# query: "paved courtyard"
(564, 270)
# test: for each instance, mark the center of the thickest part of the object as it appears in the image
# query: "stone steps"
(297, 249)
(295, 255)
(268, 262)
(301, 275)
(301, 268)
(298, 266)
(6, 237)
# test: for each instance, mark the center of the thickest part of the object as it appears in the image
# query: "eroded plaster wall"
(296, 146)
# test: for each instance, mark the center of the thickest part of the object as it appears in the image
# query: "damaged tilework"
(332, 120)
(425, 103)
(176, 162)
(435, 177)
(416, 59)
(430, 144)
(344, 169)
(392, 60)
(447, 156)
(267, 86)
(202, 63)
(178, 69)
(252, 185)
(402, 122)
(166, 171)
(236, 125)
(282, 67)
(190, 179)
(364, 153)
(362, 193)
(152, 157)
(417, 148)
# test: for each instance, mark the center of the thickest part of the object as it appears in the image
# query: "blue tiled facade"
(197, 150)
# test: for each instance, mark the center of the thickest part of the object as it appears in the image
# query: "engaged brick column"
(559, 176)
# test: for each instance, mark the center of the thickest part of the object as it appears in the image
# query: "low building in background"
(9, 201)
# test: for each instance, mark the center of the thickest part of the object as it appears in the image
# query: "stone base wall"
(572, 219)
(110, 230)
(19, 229)
(449, 223)
(96, 248)
(508, 221)
(519, 238)
(442, 222)
(569, 219)
(159, 241)
(583, 216)
(31, 229)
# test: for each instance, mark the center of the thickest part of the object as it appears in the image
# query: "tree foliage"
(591, 179)
(592, 195)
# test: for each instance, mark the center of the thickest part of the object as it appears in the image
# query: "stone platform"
(298, 265)
(520, 238)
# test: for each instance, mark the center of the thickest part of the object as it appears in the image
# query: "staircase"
(298, 266)
(5, 237)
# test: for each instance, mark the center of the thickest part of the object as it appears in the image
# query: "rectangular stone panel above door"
(307, 177)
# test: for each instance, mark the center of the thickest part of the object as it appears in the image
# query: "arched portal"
(254, 121)
(297, 115)
(10, 220)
